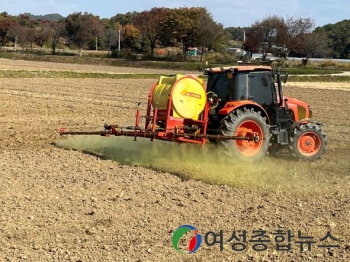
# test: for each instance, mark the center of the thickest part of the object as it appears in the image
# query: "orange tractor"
(239, 108)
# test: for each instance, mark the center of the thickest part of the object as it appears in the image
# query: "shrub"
(328, 64)
(221, 58)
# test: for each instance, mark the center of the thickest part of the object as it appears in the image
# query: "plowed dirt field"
(123, 200)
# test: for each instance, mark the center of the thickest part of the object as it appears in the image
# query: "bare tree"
(279, 36)
(292, 39)
(314, 44)
(57, 29)
(111, 38)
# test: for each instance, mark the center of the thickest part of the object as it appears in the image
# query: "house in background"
(192, 51)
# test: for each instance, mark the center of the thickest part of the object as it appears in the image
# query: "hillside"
(48, 17)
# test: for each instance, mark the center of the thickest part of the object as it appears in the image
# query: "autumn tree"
(254, 37)
(42, 33)
(268, 34)
(181, 27)
(98, 41)
(150, 24)
(16, 33)
(124, 19)
(82, 28)
(235, 33)
(19, 35)
(24, 20)
(210, 33)
(130, 37)
(30, 36)
(6, 23)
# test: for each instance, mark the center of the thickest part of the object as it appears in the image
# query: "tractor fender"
(300, 122)
(233, 105)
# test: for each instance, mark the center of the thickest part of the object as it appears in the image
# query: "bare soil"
(123, 200)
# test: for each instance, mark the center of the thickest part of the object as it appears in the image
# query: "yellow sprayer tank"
(188, 95)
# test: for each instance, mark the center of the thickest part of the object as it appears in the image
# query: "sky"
(236, 13)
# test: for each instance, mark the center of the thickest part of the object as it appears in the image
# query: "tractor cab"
(254, 85)
(242, 83)
(248, 100)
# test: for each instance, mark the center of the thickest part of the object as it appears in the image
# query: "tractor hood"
(300, 109)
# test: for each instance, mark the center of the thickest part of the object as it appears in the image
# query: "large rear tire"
(308, 142)
(246, 122)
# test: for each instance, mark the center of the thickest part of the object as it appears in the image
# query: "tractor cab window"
(219, 84)
(228, 86)
(262, 89)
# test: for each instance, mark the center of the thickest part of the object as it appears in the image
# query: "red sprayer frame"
(173, 128)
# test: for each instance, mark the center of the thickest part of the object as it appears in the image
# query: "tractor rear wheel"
(308, 142)
(246, 123)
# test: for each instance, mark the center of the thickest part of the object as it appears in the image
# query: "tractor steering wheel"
(213, 99)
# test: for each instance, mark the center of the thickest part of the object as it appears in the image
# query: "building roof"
(238, 68)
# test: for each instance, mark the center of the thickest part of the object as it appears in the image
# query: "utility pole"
(119, 41)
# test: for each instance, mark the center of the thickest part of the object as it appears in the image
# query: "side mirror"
(273, 74)
(286, 106)
(285, 78)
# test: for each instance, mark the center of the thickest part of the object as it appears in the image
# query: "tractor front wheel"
(245, 123)
(308, 142)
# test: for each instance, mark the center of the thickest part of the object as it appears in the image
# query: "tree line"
(180, 27)
(137, 31)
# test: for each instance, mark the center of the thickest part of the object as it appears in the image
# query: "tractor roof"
(238, 68)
